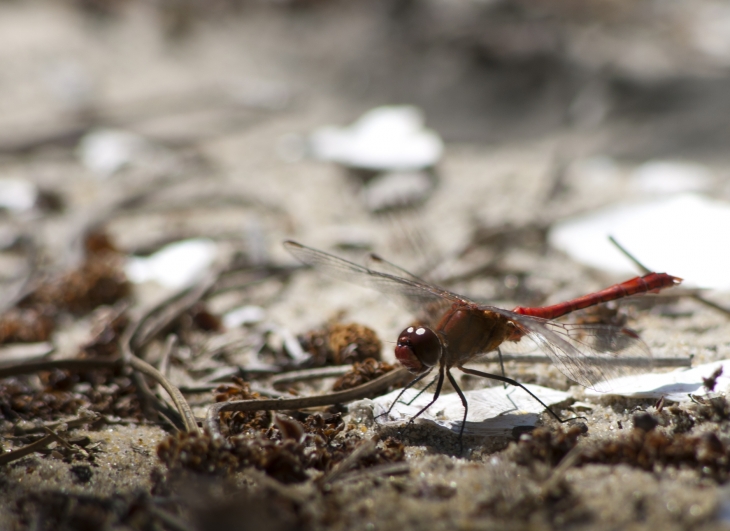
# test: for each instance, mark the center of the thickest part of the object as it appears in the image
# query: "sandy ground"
(226, 100)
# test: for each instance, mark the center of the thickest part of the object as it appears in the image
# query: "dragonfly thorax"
(418, 348)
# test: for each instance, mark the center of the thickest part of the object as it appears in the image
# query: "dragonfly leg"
(466, 410)
(516, 384)
(433, 381)
(439, 385)
(410, 384)
(501, 366)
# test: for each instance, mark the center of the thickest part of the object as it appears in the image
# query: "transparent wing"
(377, 263)
(589, 354)
(425, 301)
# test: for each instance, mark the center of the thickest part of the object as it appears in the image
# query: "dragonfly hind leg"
(466, 410)
(518, 384)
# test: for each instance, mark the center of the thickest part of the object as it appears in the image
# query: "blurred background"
(462, 139)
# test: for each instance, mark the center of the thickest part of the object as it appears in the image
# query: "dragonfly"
(453, 330)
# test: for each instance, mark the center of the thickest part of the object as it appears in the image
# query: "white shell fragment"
(493, 411)
(396, 189)
(243, 316)
(17, 195)
(106, 151)
(668, 176)
(675, 386)
(174, 266)
(383, 139)
(677, 234)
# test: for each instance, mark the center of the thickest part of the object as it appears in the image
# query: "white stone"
(681, 235)
(106, 151)
(17, 195)
(383, 139)
(676, 385)
(174, 266)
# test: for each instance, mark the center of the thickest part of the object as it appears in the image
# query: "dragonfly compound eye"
(418, 348)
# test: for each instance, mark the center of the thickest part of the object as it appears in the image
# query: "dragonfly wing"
(375, 262)
(588, 354)
(427, 302)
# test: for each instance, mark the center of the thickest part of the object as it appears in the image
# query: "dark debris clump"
(61, 510)
(656, 448)
(25, 325)
(715, 409)
(238, 422)
(21, 401)
(284, 458)
(105, 335)
(99, 280)
(62, 393)
(202, 454)
(341, 343)
(361, 373)
(546, 445)
(643, 447)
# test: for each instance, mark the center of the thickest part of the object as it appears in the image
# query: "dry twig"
(212, 421)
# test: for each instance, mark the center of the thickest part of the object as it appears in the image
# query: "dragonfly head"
(418, 349)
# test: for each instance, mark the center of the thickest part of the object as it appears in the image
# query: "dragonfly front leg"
(439, 385)
(410, 384)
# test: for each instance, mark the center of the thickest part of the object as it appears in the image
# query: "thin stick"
(365, 449)
(170, 520)
(309, 374)
(34, 447)
(60, 440)
(212, 421)
(73, 423)
(628, 361)
(388, 469)
(162, 314)
(25, 450)
(696, 296)
(569, 460)
(181, 404)
(49, 365)
(140, 332)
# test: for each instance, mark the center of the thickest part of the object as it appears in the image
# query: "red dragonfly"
(453, 329)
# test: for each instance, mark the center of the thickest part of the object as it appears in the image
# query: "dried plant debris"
(288, 455)
(237, 422)
(263, 508)
(341, 343)
(73, 511)
(20, 400)
(25, 325)
(99, 280)
(547, 446)
(105, 334)
(716, 409)
(644, 447)
(202, 319)
(62, 393)
(55, 393)
(711, 381)
(361, 373)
